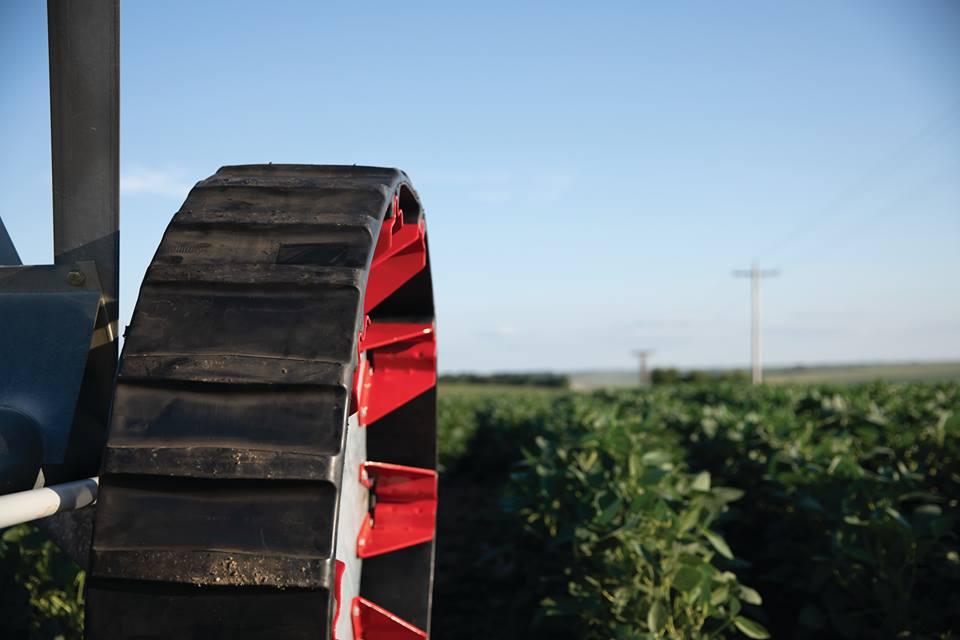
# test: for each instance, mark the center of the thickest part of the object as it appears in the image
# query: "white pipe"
(24, 506)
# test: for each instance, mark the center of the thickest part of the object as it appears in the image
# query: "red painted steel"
(381, 334)
(360, 373)
(337, 590)
(401, 253)
(396, 363)
(401, 364)
(371, 622)
(405, 509)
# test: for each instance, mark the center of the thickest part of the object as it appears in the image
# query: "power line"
(887, 165)
(894, 206)
(756, 275)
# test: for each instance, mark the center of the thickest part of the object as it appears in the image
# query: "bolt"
(76, 278)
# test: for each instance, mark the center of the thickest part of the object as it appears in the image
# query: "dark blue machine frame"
(58, 323)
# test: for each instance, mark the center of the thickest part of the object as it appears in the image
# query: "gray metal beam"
(84, 40)
(8, 252)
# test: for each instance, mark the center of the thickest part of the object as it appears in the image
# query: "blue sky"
(592, 172)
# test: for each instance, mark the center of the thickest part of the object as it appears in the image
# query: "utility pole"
(643, 354)
(756, 275)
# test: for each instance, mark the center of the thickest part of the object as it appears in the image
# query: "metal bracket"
(48, 325)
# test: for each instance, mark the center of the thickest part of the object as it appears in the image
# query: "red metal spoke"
(401, 364)
(401, 253)
(382, 334)
(337, 589)
(405, 509)
(371, 622)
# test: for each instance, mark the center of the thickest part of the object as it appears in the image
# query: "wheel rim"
(389, 494)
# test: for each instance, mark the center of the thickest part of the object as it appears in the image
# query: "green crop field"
(458, 389)
(686, 511)
(701, 512)
(814, 374)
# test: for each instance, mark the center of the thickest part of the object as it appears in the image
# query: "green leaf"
(688, 520)
(734, 606)
(15, 534)
(657, 616)
(750, 596)
(899, 519)
(928, 510)
(609, 512)
(655, 458)
(727, 494)
(687, 578)
(719, 595)
(855, 521)
(718, 543)
(701, 482)
(750, 628)
(635, 464)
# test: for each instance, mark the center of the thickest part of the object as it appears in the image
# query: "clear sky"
(592, 172)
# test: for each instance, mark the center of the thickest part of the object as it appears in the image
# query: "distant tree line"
(676, 376)
(532, 379)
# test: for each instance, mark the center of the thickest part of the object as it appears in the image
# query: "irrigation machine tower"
(260, 461)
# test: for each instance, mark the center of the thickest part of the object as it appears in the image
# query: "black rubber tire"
(220, 480)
